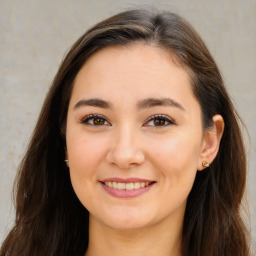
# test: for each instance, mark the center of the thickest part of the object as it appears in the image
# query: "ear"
(211, 142)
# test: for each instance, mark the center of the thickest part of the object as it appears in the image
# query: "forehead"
(129, 57)
(135, 71)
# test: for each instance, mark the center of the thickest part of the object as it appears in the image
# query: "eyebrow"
(154, 102)
(92, 102)
(146, 103)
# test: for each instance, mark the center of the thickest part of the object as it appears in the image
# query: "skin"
(128, 141)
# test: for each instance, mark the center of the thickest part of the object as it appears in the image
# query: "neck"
(158, 240)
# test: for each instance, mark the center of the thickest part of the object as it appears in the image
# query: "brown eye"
(159, 121)
(95, 120)
(98, 121)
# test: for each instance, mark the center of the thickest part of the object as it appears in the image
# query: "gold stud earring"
(67, 162)
(205, 164)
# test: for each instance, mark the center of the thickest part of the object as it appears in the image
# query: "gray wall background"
(34, 35)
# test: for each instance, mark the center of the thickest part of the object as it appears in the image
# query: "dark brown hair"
(50, 220)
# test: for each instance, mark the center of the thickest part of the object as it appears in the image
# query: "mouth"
(126, 188)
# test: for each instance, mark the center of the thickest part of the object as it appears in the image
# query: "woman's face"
(134, 137)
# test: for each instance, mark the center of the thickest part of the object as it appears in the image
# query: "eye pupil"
(159, 122)
(98, 121)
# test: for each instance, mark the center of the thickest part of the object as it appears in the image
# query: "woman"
(137, 150)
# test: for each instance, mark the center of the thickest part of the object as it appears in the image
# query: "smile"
(126, 186)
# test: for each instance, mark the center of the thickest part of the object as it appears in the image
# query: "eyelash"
(86, 120)
(163, 118)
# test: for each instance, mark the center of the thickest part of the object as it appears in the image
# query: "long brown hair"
(50, 220)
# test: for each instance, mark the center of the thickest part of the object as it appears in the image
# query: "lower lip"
(122, 193)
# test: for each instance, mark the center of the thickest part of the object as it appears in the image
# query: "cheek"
(176, 156)
(84, 151)
(179, 149)
(85, 155)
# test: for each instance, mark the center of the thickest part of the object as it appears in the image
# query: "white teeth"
(129, 186)
(136, 185)
(115, 185)
(109, 184)
(142, 184)
(126, 186)
(120, 185)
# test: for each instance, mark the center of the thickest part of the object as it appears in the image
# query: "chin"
(126, 225)
(125, 220)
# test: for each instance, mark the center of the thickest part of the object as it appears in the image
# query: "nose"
(125, 150)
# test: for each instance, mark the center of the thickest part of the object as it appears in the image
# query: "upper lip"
(128, 180)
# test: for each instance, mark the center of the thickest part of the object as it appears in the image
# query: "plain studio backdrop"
(35, 34)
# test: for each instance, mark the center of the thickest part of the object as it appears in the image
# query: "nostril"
(125, 158)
